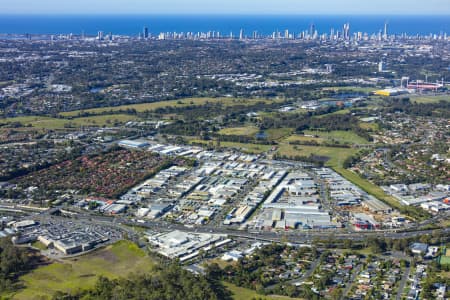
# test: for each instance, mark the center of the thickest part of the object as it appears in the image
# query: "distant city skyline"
(270, 7)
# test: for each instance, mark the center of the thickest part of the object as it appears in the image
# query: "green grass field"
(278, 133)
(104, 120)
(113, 261)
(336, 156)
(245, 131)
(323, 137)
(364, 251)
(444, 260)
(251, 131)
(338, 135)
(39, 245)
(56, 123)
(352, 88)
(302, 138)
(429, 99)
(371, 126)
(170, 103)
(247, 148)
(37, 122)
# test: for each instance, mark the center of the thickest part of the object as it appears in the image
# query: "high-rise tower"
(385, 33)
(346, 31)
(312, 29)
(381, 66)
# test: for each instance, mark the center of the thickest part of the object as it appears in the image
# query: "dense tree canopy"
(13, 261)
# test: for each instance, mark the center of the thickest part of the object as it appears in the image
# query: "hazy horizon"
(264, 24)
(238, 7)
(226, 14)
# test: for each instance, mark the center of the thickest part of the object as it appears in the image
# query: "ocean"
(132, 25)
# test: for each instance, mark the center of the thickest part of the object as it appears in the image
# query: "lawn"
(367, 126)
(302, 138)
(352, 88)
(247, 148)
(37, 122)
(240, 293)
(39, 245)
(170, 103)
(365, 251)
(113, 261)
(278, 133)
(249, 131)
(103, 120)
(429, 99)
(56, 123)
(444, 260)
(336, 156)
(338, 135)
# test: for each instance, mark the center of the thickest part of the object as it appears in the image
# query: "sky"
(341, 7)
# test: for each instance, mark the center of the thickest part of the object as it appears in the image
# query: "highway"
(268, 236)
(292, 236)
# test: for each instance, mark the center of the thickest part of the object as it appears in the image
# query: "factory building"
(137, 144)
(184, 245)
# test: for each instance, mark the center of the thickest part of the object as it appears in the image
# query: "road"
(351, 281)
(403, 283)
(306, 275)
(295, 237)
(311, 269)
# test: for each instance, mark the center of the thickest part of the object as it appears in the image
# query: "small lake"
(344, 96)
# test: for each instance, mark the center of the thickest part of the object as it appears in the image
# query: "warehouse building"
(374, 205)
(184, 245)
(137, 144)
